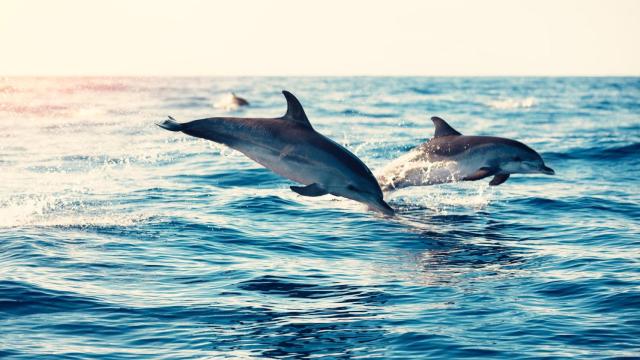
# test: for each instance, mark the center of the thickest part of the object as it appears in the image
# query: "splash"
(412, 170)
(51, 210)
(411, 176)
(443, 199)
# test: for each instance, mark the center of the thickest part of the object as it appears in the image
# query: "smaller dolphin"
(231, 101)
(237, 100)
(450, 156)
(290, 147)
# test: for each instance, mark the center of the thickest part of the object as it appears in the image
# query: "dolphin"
(290, 147)
(231, 102)
(238, 101)
(450, 156)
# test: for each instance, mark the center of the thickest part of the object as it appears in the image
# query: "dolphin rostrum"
(450, 156)
(290, 147)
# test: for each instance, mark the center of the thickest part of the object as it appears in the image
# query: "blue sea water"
(119, 240)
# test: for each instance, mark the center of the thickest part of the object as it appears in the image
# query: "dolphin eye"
(352, 188)
(517, 158)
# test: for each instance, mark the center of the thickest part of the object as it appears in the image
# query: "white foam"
(443, 199)
(65, 211)
(513, 103)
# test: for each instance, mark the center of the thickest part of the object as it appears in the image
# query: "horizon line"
(313, 75)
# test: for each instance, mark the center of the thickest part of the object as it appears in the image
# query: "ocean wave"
(359, 113)
(256, 177)
(598, 153)
(48, 210)
(95, 85)
(19, 298)
(193, 104)
(426, 90)
(274, 285)
(108, 221)
(264, 204)
(513, 103)
(609, 301)
(582, 204)
(36, 109)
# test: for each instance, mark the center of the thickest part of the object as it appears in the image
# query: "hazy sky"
(395, 37)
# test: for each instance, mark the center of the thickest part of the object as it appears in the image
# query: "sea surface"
(120, 240)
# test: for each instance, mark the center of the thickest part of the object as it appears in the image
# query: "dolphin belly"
(294, 168)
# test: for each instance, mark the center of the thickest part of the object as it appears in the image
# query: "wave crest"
(514, 103)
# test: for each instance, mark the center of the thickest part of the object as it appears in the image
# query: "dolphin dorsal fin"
(442, 128)
(295, 112)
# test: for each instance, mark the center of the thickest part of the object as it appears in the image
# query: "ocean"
(120, 240)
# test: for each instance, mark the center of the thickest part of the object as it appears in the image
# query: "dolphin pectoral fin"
(499, 179)
(309, 190)
(481, 173)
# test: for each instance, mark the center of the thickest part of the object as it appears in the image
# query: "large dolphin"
(450, 156)
(290, 147)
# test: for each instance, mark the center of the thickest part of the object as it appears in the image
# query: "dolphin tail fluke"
(171, 124)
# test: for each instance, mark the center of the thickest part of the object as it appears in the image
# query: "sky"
(328, 37)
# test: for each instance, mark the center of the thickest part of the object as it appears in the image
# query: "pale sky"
(328, 37)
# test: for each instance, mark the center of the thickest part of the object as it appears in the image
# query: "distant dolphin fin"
(481, 173)
(442, 128)
(499, 179)
(295, 112)
(309, 190)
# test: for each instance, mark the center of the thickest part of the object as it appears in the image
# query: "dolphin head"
(521, 159)
(366, 192)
